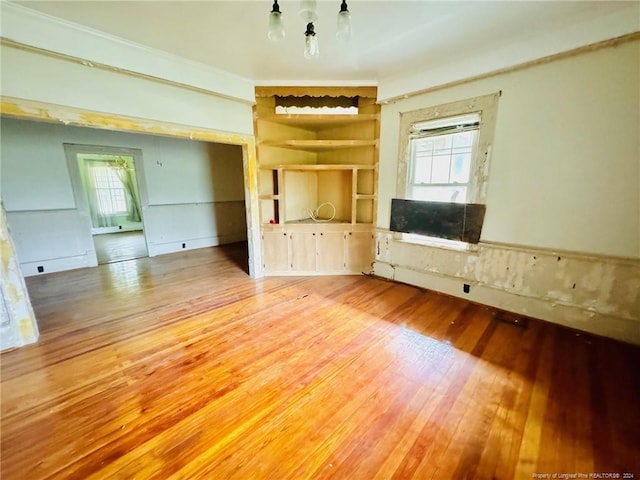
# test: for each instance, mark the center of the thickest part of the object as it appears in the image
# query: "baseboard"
(30, 269)
(195, 243)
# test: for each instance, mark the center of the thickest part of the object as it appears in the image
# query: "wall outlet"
(40, 269)
(466, 288)
(184, 245)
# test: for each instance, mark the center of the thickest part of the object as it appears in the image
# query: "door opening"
(111, 197)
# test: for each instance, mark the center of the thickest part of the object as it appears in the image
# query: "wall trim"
(43, 210)
(194, 203)
(47, 112)
(618, 259)
(101, 66)
(592, 47)
(29, 29)
(61, 264)
(164, 248)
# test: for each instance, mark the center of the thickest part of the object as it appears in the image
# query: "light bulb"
(276, 26)
(343, 31)
(311, 49)
(344, 26)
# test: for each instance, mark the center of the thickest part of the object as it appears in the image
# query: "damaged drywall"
(18, 325)
(597, 294)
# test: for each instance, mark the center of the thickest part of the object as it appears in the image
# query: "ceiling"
(390, 38)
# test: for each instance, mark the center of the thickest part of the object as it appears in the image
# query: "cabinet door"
(359, 251)
(275, 251)
(303, 251)
(331, 252)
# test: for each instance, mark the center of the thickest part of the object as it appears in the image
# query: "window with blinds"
(441, 156)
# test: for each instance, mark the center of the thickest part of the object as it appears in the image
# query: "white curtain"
(133, 203)
(111, 194)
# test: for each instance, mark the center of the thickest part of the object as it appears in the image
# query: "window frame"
(413, 156)
(486, 107)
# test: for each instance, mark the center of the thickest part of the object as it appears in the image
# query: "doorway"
(108, 192)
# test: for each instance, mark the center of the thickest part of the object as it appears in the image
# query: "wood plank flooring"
(115, 247)
(181, 366)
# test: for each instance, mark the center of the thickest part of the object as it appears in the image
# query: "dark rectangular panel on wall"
(453, 221)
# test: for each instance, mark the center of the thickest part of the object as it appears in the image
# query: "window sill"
(437, 243)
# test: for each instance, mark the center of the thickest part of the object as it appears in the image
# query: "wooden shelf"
(322, 121)
(316, 166)
(318, 145)
(310, 221)
(308, 160)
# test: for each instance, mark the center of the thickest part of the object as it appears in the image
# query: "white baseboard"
(192, 244)
(30, 269)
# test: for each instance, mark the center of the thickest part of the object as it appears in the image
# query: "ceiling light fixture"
(311, 49)
(276, 26)
(344, 22)
(309, 15)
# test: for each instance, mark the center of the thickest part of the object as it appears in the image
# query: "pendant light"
(311, 49)
(309, 14)
(276, 26)
(343, 31)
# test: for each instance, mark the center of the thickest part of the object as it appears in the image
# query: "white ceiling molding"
(317, 83)
(31, 28)
(595, 30)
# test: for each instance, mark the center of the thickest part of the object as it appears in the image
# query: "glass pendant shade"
(344, 25)
(308, 10)
(311, 49)
(276, 27)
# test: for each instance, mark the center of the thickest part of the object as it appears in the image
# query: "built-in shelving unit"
(317, 179)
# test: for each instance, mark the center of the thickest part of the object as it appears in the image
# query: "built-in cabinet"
(317, 177)
(316, 250)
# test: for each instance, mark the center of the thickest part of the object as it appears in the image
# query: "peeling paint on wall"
(25, 109)
(581, 291)
(18, 325)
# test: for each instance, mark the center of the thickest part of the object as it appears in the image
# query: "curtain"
(126, 177)
(111, 193)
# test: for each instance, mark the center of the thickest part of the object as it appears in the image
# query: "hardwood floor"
(115, 247)
(181, 366)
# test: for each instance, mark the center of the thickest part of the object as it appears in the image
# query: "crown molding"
(29, 28)
(316, 83)
(563, 42)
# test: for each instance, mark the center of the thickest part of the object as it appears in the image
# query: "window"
(109, 189)
(441, 153)
(444, 156)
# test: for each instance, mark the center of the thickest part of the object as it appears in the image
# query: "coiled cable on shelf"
(313, 214)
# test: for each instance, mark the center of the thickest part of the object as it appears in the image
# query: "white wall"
(33, 76)
(192, 193)
(33, 28)
(564, 177)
